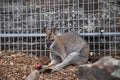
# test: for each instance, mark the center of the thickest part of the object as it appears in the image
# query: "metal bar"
(43, 35)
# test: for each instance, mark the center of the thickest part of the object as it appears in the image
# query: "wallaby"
(66, 49)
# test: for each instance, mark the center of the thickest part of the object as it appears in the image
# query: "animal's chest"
(55, 49)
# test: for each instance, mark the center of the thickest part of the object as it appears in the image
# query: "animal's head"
(51, 34)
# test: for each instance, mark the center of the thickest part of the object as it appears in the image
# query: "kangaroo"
(66, 49)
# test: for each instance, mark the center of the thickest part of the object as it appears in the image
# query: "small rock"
(33, 75)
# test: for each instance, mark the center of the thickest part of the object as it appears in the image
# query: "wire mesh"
(22, 22)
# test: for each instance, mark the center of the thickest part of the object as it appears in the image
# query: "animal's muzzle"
(48, 44)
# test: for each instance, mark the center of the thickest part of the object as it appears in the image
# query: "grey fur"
(68, 48)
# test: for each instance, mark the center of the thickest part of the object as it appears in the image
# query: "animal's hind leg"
(72, 58)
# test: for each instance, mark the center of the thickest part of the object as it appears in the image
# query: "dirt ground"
(17, 66)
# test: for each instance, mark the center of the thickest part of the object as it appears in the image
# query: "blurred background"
(97, 21)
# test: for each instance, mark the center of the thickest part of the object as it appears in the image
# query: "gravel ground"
(17, 66)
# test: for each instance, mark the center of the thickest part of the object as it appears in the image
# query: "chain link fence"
(22, 22)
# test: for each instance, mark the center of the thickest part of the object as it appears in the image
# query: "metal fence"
(21, 22)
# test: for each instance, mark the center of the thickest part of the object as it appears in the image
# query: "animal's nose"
(48, 44)
(52, 39)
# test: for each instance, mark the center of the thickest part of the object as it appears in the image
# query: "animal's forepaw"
(44, 66)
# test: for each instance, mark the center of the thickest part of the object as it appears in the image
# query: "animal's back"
(72, 42)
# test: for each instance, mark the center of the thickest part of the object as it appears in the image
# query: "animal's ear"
(46, 30)
(55, 30)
